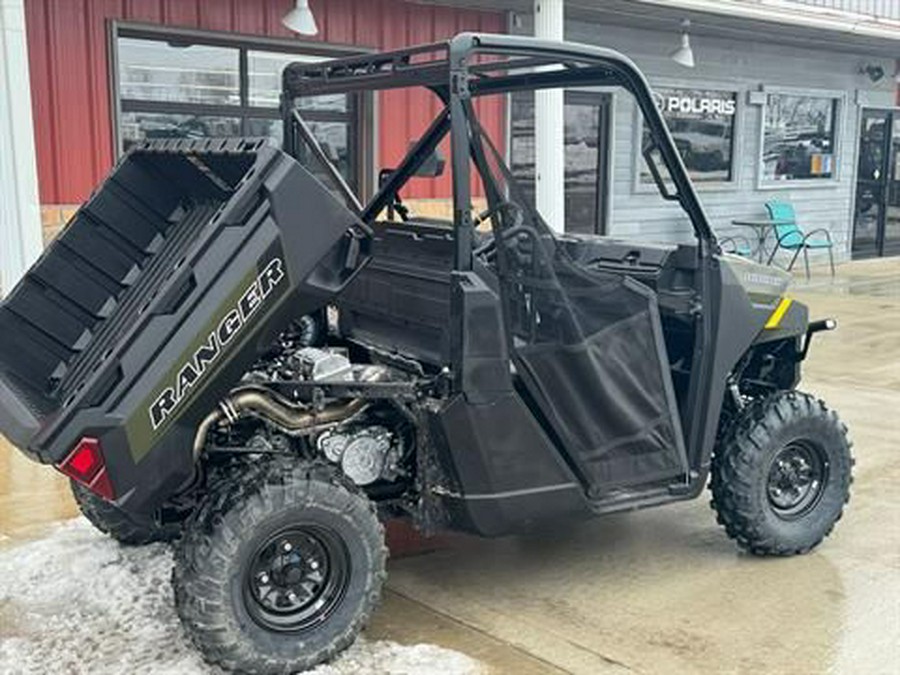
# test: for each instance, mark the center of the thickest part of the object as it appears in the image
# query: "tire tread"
(117, 523)
(240, 498)
(736, 470)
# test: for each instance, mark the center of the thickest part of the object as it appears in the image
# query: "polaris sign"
(694, 105)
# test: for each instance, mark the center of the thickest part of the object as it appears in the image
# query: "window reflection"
(266, 128)
(139, 126)
(585, 134)
(333, 138)
(334, 141)
(798, 137)
(172, 88)
(154, 70)
(264, 82)
(701, 122)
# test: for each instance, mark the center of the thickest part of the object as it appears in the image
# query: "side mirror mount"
(433, 166)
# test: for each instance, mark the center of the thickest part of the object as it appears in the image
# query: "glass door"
(876, 226)
(587, 134)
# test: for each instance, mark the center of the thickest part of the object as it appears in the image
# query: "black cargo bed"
(136, 296)
(90, 285)
(186, 243)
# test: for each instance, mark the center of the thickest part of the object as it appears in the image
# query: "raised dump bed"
(189, 250)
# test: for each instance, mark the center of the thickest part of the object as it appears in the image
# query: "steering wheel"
(487, 250)
(497, 208)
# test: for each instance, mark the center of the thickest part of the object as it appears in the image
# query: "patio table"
(761, 227)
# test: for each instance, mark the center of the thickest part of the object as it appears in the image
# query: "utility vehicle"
(225, 347)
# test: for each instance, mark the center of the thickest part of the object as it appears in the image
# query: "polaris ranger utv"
(226, 348)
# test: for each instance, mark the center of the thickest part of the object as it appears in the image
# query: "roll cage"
(472, 65)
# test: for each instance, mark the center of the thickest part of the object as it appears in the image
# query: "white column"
(549, 127)
(20, 213)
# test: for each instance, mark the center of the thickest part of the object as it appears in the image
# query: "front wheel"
(280, 569)
(781, 476)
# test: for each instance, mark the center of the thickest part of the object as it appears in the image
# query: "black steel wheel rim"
(296, 578)
(797, 478)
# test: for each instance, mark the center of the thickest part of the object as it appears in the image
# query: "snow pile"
(77, 602)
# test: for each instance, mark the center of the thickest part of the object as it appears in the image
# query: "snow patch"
(76, 602)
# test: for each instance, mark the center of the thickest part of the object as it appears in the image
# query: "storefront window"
(702, 123)
(265, 127)
(182, 86)
(799, 137)
(152, 70)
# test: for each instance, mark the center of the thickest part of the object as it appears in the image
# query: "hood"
(764, 284)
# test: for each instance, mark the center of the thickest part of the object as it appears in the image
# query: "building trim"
(838, 21)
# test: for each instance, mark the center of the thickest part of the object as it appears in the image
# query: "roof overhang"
(766, 21)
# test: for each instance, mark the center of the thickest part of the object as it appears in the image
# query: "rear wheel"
(782, 474)
(280, 569)
(120, 525)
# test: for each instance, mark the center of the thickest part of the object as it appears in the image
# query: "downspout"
(549, 126)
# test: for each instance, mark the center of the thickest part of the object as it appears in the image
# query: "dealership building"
(789, 100)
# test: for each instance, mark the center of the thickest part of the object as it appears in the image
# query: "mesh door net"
(588, 346)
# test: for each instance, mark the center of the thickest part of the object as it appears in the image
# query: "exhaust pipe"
(294, 419)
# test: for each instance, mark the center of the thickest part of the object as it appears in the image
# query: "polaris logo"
(206, 355)
(694, 105)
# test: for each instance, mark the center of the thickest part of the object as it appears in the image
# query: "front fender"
(789, 318)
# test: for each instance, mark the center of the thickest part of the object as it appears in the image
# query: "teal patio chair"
(790, 237)
(737, 245)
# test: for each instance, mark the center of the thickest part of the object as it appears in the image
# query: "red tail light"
(86, 465)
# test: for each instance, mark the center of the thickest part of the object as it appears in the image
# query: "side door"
(586, 343)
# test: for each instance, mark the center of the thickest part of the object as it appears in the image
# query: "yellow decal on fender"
(779, 313)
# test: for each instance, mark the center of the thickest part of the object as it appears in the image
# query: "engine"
(365, 453)
(365, 438)
(294, 358)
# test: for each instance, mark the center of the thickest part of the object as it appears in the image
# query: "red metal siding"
(69, 60)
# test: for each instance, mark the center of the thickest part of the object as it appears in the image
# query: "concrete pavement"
(662, 591)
